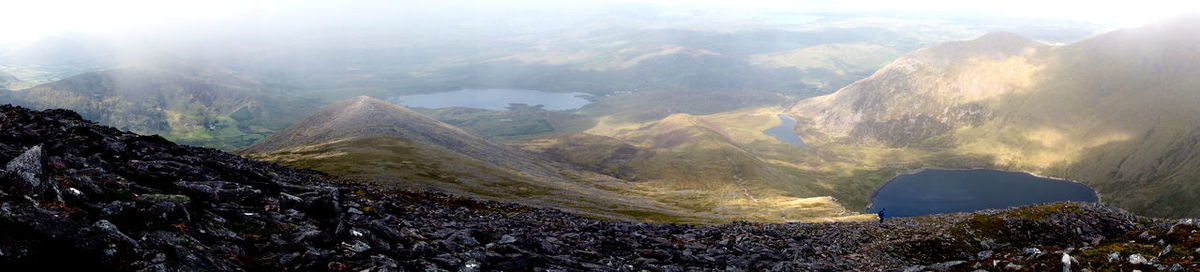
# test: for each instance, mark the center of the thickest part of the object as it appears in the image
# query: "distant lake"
(933, 191)
(785, 131)
(494, 99)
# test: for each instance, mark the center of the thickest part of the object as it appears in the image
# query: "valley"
(672, 123)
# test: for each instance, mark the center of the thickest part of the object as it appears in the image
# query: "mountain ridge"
(387, 144)
(198, 105)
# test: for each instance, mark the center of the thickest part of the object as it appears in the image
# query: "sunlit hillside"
(1116, 111)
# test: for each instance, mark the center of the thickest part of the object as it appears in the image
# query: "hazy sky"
(26, 20)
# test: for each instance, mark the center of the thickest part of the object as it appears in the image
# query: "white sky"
(28, 19)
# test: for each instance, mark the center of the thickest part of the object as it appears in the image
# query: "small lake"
(785, 131)
(934, 191)
(494, 99)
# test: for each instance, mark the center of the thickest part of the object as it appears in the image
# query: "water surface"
(494, 99)
(934, 191)
(785, 131)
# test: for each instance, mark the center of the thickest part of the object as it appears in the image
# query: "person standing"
(882, 214)
(1066, 260)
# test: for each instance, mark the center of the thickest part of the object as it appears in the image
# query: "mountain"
(133, 202)
(1119, 111)
(365, 117)
(374, 140)
(196, 104)
(9, 81)
(717, 163)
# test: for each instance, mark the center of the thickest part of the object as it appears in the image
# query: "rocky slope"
(112, 200)
(1117, 111)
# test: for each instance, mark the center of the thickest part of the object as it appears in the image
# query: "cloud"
(23, 20)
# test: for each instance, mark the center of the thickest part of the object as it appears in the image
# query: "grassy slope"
(719, 163)
(374, 140)
(399, 147)
(396, 162)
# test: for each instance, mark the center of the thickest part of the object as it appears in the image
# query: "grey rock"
(32, 175)
(1032, 252)
(447, 260)
(422, 248)
(1137, 259)
(103, 229)
(507, 239)
(177, 199)
(356, 246)
(945, 266)
(383, 263)
(470, 266)
(28, 166)
(989, 243)
(159, 258)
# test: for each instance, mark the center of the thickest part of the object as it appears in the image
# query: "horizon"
(29, 21)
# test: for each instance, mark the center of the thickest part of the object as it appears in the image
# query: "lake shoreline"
(785, 131)
(874, 193)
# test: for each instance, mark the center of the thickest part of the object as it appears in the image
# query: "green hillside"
(676, 170)
(375, 141)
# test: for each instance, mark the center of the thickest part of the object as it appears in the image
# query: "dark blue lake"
(494, 99)
(785, 131)
(934, 191)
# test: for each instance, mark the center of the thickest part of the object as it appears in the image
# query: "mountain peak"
(364, 102)
(361, 117)
(366, 99)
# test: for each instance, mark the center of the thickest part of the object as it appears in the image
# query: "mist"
(287, 43)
